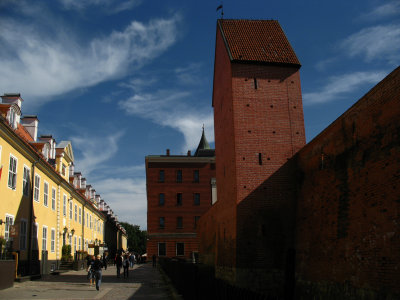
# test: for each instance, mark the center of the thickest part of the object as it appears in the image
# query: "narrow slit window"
(255, 83)
(260, 159)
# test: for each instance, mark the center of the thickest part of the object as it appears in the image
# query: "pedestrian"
(97, 265)
(154, 260)
(89, 269)
(132, 260)
(105, 260)
(126, 266)
(118, 263)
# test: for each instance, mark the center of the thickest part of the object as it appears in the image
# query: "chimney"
(167, 152)
(189, 153)
(31, 125)
(11, 98)
(52, 142)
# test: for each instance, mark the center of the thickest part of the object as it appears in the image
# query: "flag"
(219, 7)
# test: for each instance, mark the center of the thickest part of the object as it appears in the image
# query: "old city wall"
(348, 218)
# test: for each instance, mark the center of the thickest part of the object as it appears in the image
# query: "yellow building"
(38, 186)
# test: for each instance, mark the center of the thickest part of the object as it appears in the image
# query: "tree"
(136, 238)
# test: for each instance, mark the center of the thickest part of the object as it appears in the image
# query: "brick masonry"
(320, 220)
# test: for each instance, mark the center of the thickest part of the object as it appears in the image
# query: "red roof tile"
(257, 41)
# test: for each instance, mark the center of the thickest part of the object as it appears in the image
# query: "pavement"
(144, 282)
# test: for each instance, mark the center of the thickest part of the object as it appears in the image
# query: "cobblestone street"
(144, 282)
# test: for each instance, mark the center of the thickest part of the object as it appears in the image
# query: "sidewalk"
(144, 282)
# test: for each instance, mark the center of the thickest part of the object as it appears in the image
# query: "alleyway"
(144, 283)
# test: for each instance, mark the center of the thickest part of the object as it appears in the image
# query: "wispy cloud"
(171, 108)
(383, 11)
(44, 63)
(340, 86)
(380, 43)
(93, 152)
(112, 6)
(127, 198)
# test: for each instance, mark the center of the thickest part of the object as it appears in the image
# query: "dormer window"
(63, 169)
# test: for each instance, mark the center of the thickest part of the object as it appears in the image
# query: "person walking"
(118, 263)
(132, 260)
(89, 266)
(97, 265)
(126, 266)
(105, 260)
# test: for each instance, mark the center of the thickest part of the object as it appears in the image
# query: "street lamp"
(72, 231)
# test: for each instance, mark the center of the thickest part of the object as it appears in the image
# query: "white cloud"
(126, 197)
(380, 43)
(95, 150)
(112, 6)
(41, 64)
(170, 108)
(383, 11)
(339, 86)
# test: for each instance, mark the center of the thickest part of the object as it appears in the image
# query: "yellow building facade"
(43, 205)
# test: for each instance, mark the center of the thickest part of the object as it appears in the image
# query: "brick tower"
(259, 125)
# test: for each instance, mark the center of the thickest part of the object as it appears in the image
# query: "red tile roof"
(257, 41)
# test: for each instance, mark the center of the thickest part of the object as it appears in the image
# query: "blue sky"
(123, 79)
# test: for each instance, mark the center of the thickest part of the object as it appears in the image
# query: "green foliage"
(136, 238)
(66, 253)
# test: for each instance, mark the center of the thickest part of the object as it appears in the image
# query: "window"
(161, 176)
(87, 219)
(53, 199)
(179, 199)
(76, 213)
(79, 243)
(196, 220)
(26, 181)
(196, 198)
(161, 199)
(46, 194)
(179, 176)
(74, 244)
(255, 83)
(162, 222)
(196, 176)
(162, 249)
(9, 223)
(22, 235)
(65, 206)
(53, 240)
(35, 236)
(70, 210)
(180, 249)
(90, 222)
(44, 238)
(63, 169)
(36, 192)
(179, 222)
(80, 215)
(12, 173)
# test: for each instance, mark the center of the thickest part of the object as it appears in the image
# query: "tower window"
(255, 83)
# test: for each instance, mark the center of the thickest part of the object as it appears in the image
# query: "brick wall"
(171, 234)
(348, 230)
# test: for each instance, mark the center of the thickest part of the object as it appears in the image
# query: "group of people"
(96, 263)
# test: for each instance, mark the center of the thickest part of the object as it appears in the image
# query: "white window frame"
(70, 210)
(36, 189)
(7, 226)
(65, 205)
(53, 198)
(53, 240)
(23, 234)
(79, 243)
(26, 178)
(44, 237)
(45, 194)
(74, 244)
(80, 215)
(91, 225)
(76, 213)
(87, 220)
(12, 173)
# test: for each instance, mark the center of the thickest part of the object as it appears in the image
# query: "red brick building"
(315, 221)
(180, 190)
